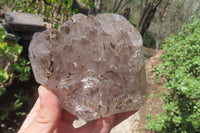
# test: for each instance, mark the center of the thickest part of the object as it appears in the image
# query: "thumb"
(49, 114)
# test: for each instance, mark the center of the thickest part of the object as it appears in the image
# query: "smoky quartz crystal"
(95, 65)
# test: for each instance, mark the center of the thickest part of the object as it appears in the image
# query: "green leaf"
(4, 76)
(2, 91)
(17, 67)
(4, 115)
(16, 49)
(4, 47)
(17, 104)
(21, 113)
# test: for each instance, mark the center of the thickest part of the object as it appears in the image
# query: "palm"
(47, 116)
(102, 125)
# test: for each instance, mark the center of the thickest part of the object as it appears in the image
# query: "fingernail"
(42, 92)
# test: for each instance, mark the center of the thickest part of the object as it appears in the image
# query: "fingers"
(65, 125)
(88, 128)
(68, 117)
(102, 125)
(47, 117)
(122, 116)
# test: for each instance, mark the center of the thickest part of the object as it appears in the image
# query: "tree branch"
(125, 4)
(115, 10)
(115, 4)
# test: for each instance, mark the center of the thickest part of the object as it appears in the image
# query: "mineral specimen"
(95, 65)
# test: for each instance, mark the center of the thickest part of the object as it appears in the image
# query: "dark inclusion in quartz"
(95, 65)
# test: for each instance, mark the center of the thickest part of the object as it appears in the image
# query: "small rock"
(23, 24)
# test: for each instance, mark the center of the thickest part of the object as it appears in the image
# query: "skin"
(47, 116)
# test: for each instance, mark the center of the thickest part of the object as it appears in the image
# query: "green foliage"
(89, 3)
(53, 11)
(149, 39)
(11, 54)
(3, 115)
(66, 7)
(181, 67)
(3, 75)
(20, 98)
(12, 67)
(22, 67)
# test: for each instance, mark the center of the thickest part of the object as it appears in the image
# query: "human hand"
(47, 116)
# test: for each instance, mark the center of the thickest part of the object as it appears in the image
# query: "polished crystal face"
(95, 65)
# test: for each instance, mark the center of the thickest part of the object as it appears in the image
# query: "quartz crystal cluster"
(94, 65)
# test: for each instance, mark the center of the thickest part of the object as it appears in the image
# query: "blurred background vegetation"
(156, 20)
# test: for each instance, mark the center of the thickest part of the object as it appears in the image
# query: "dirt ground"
(137, 122)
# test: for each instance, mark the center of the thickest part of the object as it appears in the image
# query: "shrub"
(53, 11)
(181, 67)
(12, 66)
